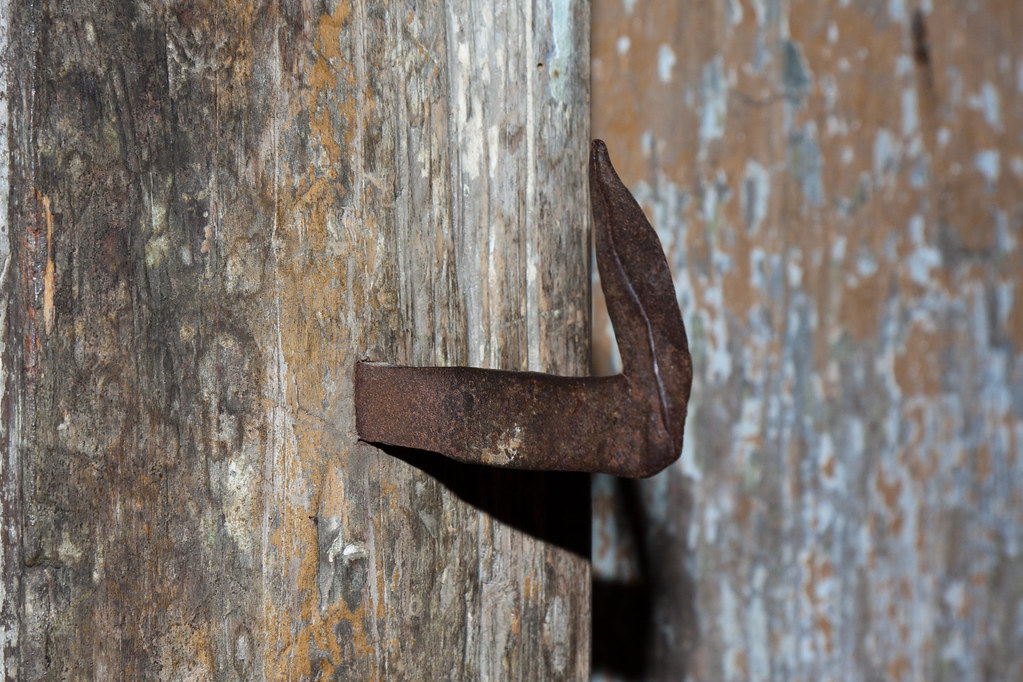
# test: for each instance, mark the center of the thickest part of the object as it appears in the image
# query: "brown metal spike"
(628, 425)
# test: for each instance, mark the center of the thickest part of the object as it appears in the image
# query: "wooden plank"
(839, 185)
(12, 404)
(215, 210)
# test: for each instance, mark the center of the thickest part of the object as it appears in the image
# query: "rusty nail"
(628, 425)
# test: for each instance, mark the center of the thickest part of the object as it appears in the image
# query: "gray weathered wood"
(214, 210)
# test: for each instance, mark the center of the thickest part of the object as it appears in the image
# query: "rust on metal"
(630, 424)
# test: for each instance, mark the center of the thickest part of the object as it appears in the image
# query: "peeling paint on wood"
(839, 185)
(214, 210)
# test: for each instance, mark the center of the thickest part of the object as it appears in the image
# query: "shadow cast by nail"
(646, 629)
(551, 506)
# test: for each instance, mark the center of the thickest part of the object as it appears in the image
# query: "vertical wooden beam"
(12, 405)
(215, 210)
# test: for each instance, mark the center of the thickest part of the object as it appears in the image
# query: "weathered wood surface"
(840, 186)
(215, 209)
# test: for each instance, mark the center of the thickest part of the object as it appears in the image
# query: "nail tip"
(600, 162)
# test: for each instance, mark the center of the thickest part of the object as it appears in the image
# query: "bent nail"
(629, 425)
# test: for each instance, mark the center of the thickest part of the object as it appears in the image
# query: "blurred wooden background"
(839, 186)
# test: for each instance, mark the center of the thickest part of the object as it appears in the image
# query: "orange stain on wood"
(899, 669)
(828, 468)
(983, 466)
(860, 309)
(1014, 323)
(890, 489)
(38, 277)
(49, 274)
(309, 267)
(825, 627)
(918, 368)
(328, 115)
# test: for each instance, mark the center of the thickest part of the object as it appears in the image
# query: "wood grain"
(215, 209)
